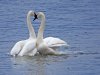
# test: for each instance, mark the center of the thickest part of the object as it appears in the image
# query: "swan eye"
(35, 16)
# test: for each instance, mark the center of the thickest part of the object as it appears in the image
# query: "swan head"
(39, 15)
(32, 13)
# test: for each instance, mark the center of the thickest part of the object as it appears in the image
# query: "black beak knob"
(35, 16)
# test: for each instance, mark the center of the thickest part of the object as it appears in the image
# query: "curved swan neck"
(30, 27)
(41, 29)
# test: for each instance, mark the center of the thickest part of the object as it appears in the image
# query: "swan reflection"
(37, 65)
(30, 65)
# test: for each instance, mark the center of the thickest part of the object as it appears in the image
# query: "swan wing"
(27, 49)
(33, 52)
(54, 43)
(17, 48)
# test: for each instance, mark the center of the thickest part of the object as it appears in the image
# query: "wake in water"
(69, 52)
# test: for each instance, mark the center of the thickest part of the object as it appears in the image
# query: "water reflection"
(36, 65)
(76, 22)
(30, 65)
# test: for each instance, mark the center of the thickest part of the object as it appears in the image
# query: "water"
(75, 21)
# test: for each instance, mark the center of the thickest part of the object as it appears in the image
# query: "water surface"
(75, 21)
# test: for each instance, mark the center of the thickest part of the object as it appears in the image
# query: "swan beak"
(35, 16)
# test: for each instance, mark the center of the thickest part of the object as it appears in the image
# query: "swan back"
(55, 42)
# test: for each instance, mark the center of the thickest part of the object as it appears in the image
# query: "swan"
(49, 44)
(28, 46)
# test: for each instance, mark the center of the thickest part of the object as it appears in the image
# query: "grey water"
(75, 21)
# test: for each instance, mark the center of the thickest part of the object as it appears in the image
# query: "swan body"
(54, 43)
(49, 44)
(28, 46)
(17, 47)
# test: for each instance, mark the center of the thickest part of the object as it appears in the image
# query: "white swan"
(26, 47)
(49, 44)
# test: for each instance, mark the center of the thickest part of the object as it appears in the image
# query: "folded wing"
(54, 43)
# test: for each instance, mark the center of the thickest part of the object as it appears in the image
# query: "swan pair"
(37, 44)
